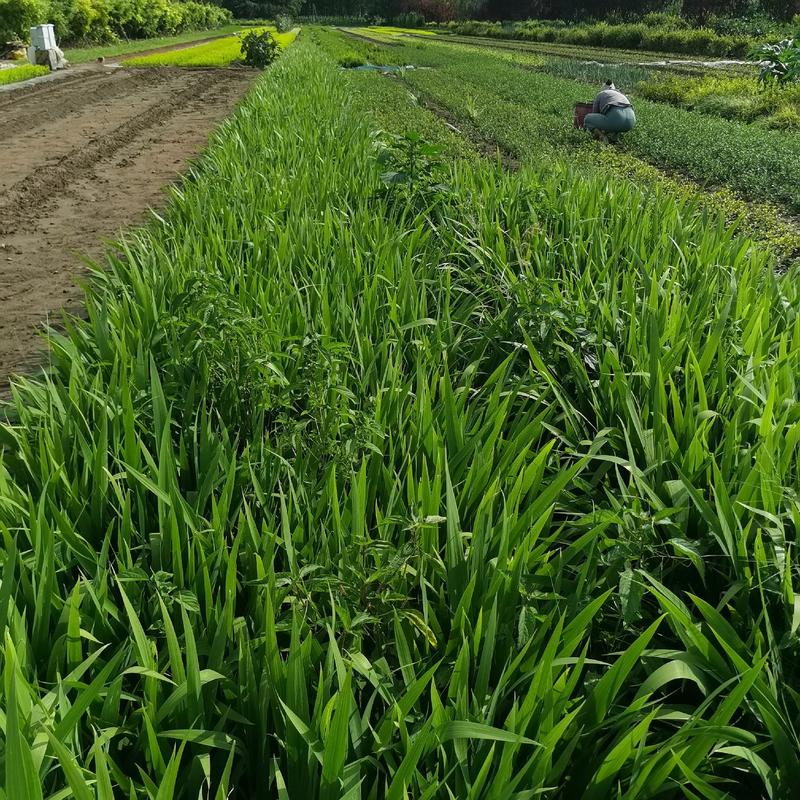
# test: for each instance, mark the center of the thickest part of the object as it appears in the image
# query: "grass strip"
(23, 73)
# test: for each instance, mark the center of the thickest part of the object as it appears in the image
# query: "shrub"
(670, 22)
(786, 119)
(16, 17)
(624, 36)
(259, 49)
(673, 36)
(729, 106)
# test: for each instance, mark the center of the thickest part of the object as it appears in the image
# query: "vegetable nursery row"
(529, 110)
(219, 53)
(396, 476)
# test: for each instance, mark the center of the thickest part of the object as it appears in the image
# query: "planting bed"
(82, 157)
(21, 73)
(218, 53)
(420, 448)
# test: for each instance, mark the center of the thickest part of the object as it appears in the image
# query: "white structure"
(43, 37)
(44, 50)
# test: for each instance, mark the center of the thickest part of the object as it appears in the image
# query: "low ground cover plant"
(734, 98)
(21, 73)
(80, 55)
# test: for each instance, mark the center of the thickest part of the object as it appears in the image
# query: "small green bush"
(658, 19)
(729, 106)
(259, 49)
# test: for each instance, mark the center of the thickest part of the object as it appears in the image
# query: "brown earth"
(81, 158)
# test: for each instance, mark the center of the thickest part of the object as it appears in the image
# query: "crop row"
(447, 483)
(633, 36)
(540, 134)
(739, 98)
(218, 53)
(21, 73)
(351, 51)
(529, 111)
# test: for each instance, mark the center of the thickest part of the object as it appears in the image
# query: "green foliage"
(332, 496)
(259, 49)
(22, 73)
(667, 38)
(219, 53)
(17, 16)
(101, 21)
(80, 55)
(412, 171)
(283, 23)
(780, 62)
(733, 98)
(409, 19)
(507, 102)
(348, 51)
(529, 112)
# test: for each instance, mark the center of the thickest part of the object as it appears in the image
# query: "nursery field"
(420, 448)
(522, 103)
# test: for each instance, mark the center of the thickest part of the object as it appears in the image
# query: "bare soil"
(81, 158)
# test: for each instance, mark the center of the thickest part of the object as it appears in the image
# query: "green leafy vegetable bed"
(23, 73)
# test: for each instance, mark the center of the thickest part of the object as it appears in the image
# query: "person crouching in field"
(612, 114)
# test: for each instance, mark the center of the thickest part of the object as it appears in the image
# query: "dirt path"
(82, 158)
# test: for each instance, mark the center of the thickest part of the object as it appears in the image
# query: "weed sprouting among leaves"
(412, 169)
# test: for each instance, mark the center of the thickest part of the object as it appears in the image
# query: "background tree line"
(699, 10)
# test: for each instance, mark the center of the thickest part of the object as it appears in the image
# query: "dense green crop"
(531, 112)
(219, 53)
(79, 55)
(658, 38)
(22, 73)
(740, 98)
(338, 496)
(350, 51)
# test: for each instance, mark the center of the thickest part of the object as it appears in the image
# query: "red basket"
(581, 110)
